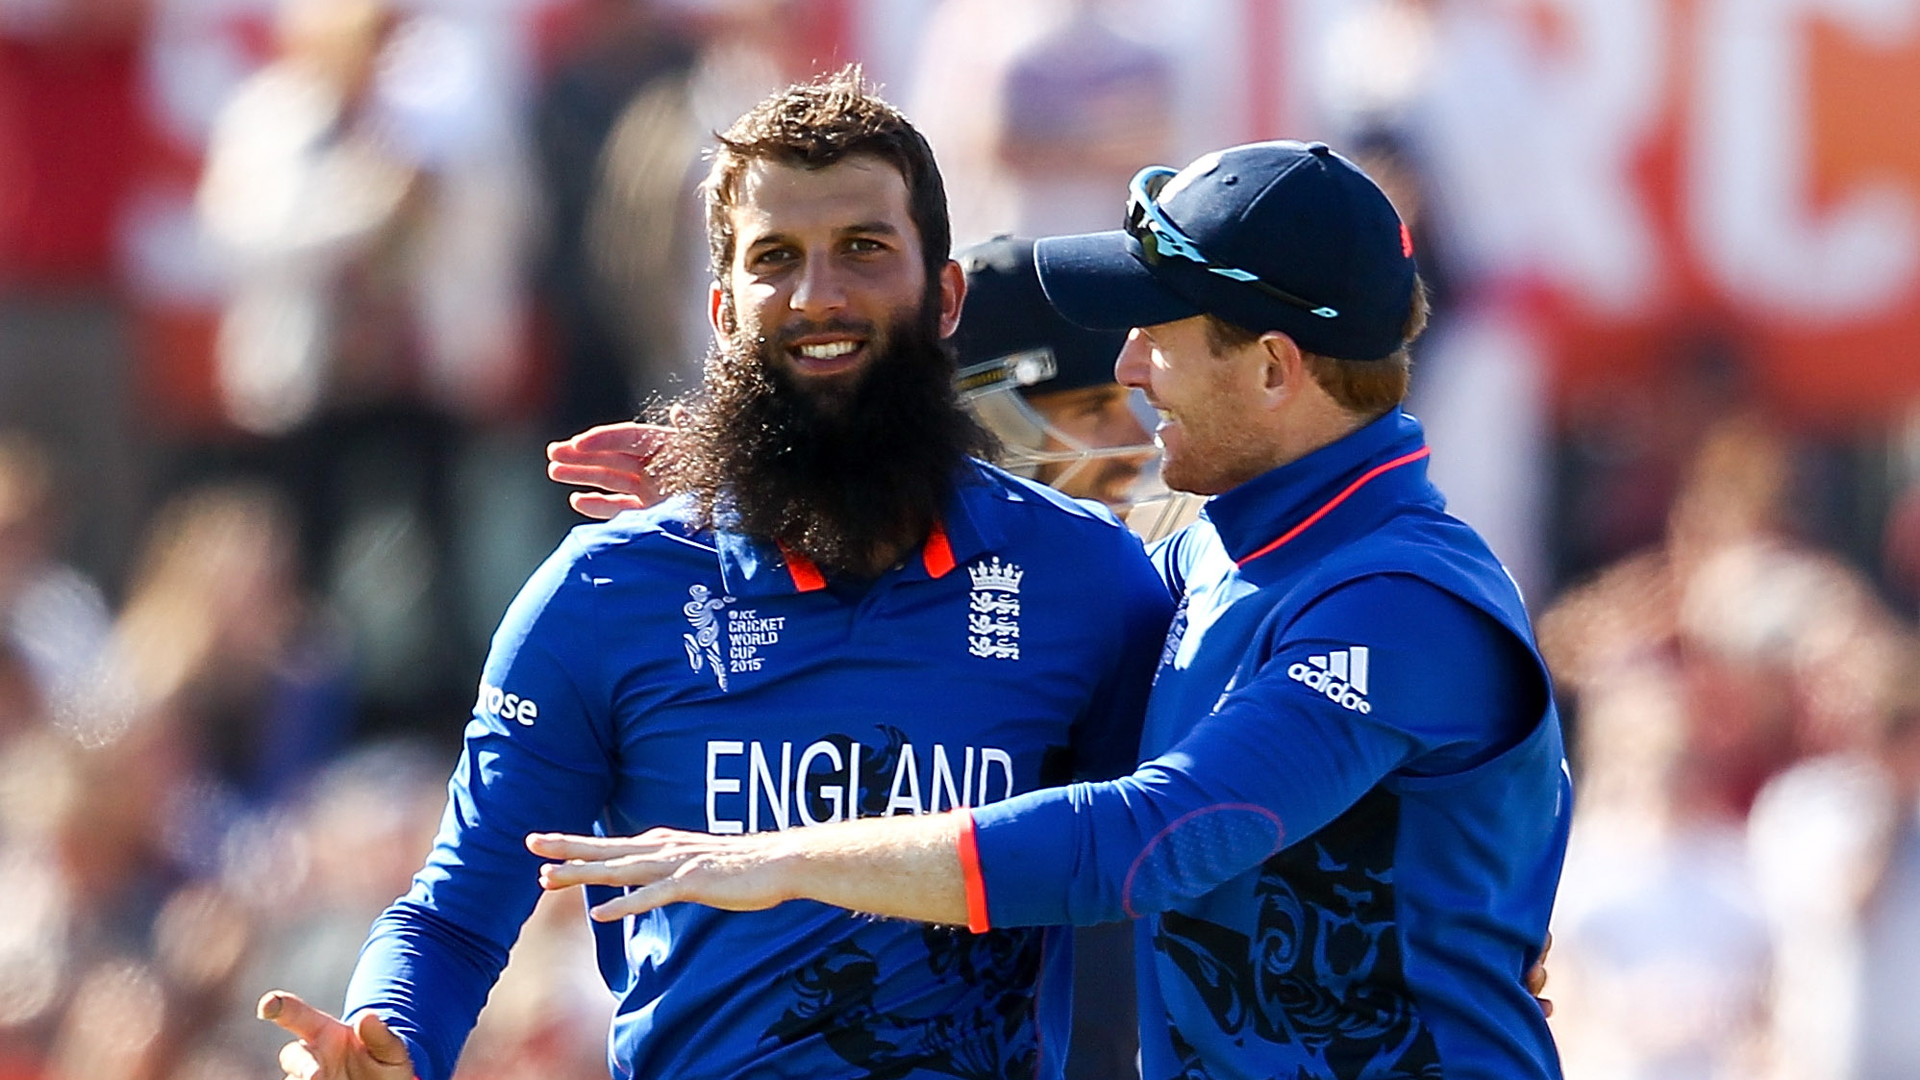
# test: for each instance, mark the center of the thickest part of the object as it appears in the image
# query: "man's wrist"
(786, 860)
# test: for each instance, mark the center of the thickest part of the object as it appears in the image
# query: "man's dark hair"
(847, 475)
(817, 124)
(1367, 387)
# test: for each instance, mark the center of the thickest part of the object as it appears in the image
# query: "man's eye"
(865, 246)
(773, 257)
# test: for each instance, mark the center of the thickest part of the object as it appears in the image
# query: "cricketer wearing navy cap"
(1279, 236)
(1343, 842)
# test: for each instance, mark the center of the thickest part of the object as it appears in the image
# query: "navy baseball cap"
(1283, 236)
(1007, 318)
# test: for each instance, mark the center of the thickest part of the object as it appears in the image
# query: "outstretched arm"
(907, 868)
(1272, 763)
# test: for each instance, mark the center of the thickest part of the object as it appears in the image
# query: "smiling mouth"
(832, 350)
(827, 356)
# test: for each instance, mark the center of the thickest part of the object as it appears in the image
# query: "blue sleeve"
(1106, 737)
(1283, 753)
(538, 756)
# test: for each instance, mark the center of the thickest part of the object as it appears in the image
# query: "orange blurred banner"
(1770, 158)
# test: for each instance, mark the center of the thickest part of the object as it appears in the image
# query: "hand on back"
(615, 460)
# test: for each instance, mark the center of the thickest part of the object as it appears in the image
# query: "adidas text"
(1342, 676)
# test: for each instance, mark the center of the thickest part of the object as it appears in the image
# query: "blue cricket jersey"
(649, 674)
(1344, 842)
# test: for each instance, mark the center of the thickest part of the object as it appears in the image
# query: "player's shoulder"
(1039, 506)
(664, 534)
(635, 550)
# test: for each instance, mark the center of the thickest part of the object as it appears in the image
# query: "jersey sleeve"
(1106, 737)
(1426, 684)
(537, 756)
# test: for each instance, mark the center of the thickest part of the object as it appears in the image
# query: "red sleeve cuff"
(976, 885)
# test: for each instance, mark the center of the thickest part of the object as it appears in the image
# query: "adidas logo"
(1340, 675)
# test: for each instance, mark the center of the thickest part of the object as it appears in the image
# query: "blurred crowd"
(293, 291)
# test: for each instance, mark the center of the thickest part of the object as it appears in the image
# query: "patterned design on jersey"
(1191, 1067)
(1322, 972)
(834, 1001)
(703, 645)
(1176, 633)
(877, 769)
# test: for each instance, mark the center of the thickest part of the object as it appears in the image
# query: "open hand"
(615, 459)
(332, 1049)
(665, 866)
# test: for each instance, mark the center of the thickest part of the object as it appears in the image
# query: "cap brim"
(1095, 281)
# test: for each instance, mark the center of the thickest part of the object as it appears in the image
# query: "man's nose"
(819, 289)
(1131, 366)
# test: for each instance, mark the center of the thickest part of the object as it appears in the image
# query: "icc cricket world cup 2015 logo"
(703, 644)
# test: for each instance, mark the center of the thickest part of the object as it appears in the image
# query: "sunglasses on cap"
(1160, 238)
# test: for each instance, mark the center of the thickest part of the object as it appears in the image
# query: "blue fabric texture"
(1345, 837)
(652, 675)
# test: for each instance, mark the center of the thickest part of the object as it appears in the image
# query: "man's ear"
(953, 296)
(719, 310)
(1284, 371)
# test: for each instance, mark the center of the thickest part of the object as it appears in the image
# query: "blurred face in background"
(1099, 418)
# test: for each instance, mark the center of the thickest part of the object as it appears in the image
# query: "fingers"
(1537, 977)
(383, 1046)
(602, 507)
(637, 902)
(632, 438)
(615, 860)
(629, 870)
(298, 1062)
(622, 438)
(330, 1049)
(571, 846)
(622, 475)
(622, 480)
(296, 1016)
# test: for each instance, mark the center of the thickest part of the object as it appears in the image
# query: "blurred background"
(293, 291)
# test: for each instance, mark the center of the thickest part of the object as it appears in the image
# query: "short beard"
(848, 475)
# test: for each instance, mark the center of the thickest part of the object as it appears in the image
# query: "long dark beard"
(849, 475)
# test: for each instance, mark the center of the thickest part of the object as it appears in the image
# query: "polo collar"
(755, 567)
(1315, 503)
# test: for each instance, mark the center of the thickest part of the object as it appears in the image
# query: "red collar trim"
(937, 556)
(806, 576)
(1368, 476)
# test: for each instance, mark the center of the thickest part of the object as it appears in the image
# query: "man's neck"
(1313, 424)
